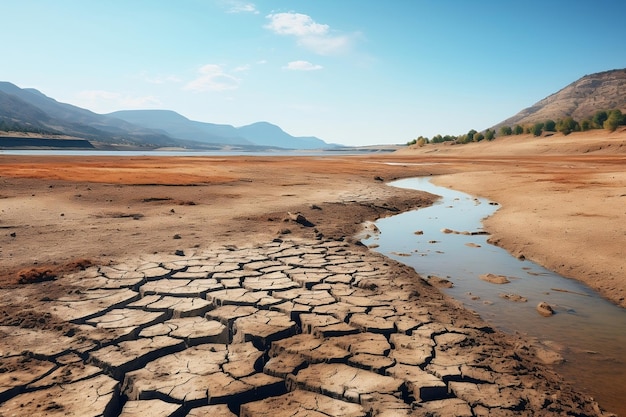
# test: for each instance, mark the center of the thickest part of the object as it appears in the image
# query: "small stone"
(545, 309)
(495, 279)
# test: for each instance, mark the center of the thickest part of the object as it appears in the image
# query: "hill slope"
(580, 100)
(178, 126)
(257, 134)
(268, 134)
(29, 109)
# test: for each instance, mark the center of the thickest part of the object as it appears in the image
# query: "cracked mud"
(289, 328)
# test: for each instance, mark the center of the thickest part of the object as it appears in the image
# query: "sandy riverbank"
(58, 212)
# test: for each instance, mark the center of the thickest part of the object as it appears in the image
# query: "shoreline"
(105, 209)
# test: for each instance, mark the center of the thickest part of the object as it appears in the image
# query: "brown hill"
(581, 99)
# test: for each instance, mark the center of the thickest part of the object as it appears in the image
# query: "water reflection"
(445, 241)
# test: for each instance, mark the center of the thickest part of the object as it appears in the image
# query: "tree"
(518, 130)
(470, 135)
(599, 118)
(437, 139)
(567, 126)
(614, 119)
(506, 131)
(490, 134)
(478, 137)
(586, 125)
(536, 129)
(549, 126)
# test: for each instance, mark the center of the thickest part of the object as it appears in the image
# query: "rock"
(300, 219)
(495, 279)
(439, 282)
(472, 245)
(514, 297)
(545, 309)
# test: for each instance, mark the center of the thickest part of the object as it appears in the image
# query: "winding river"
(446, 242)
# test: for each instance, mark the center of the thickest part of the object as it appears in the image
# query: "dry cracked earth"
(288, 328)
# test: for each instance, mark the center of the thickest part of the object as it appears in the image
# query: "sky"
(353, 72)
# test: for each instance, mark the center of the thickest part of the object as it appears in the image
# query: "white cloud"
(106, 101)
(296, 24)
(314, 36)
(237, 6)
(302, 66)
(213, 78)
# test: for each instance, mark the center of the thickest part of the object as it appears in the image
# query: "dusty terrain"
(562, 206)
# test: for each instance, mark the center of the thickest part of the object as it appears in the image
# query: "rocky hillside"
(29, 110)
(580, 100)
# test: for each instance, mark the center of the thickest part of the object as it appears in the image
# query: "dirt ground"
(563, 203)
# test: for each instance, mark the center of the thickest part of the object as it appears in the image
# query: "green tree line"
(602, 119)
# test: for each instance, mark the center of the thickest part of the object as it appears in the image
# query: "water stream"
(588, 331)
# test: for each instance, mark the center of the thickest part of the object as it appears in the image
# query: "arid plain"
(563, 205)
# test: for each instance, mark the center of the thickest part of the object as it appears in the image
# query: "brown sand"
(563, 202)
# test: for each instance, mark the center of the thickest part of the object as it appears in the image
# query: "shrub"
(506, 131)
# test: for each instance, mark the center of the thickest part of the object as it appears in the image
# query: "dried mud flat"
(290, 327)
(232, 286)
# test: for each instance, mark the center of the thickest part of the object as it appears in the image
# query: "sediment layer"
(298, 327)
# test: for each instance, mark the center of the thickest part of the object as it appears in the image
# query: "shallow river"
(588, 331)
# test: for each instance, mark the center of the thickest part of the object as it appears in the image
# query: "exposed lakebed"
(445, 242)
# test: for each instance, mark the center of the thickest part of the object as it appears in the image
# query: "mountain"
(268, 134)
(579, 100)
(262, 134)
(29, 109)
(178, 126)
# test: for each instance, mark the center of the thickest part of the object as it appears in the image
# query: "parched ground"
(147, 264)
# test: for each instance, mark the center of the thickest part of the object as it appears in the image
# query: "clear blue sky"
(355, 72)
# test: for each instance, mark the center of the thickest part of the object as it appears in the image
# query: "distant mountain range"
(30, 110)
(579, 100)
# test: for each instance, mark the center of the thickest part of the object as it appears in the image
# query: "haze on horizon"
(352, 72)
